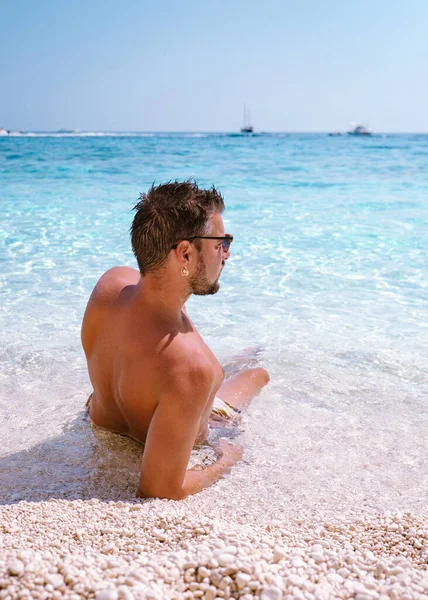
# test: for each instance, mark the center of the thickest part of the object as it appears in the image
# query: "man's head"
(174, 214)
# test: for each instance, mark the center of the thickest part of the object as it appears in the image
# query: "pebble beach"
(236, 539)
(163, 549)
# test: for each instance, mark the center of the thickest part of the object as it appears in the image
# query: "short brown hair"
(168, 213)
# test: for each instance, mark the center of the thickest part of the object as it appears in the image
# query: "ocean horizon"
(93, 132)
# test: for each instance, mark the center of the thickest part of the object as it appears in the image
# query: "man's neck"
(160, 298)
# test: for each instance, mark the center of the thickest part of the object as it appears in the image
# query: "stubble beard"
(199, 284)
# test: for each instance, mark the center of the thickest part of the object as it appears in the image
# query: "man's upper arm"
(173, 430)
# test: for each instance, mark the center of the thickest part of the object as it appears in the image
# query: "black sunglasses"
(225, 240)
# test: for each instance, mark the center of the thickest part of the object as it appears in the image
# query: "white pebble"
(321, 594)
(318, 557)
(297, 562)
(16, 567)
(242, 579)
(109, 594)
(125, 593)
(271, 593)
(210, 593)
(278, 554)
(344, 572)
(174, 573)
(226, 560)
(203, 572)
(225, 550)
(212, 563)
(55, 580)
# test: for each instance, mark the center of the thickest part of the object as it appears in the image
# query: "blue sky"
(190, 65)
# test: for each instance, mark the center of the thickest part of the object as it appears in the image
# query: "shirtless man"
(153, 376)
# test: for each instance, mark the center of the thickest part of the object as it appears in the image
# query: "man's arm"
(172, 434)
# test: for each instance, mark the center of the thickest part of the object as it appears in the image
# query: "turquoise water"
(327, 278)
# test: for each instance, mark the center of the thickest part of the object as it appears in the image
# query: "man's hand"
(229, 453)
(196, 480)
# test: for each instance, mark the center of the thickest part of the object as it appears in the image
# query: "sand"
(164, 549)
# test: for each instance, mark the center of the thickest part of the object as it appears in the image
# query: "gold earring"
(184, 272)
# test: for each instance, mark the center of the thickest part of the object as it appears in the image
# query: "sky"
(190, 65)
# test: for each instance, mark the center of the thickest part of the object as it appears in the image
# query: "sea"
(326, 287)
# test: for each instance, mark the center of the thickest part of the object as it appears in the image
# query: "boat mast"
(248, 117)
(246, 126)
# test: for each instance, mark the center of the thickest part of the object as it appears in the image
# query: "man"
(153, 376)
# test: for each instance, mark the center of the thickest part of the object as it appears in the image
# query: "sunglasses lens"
(226, 244)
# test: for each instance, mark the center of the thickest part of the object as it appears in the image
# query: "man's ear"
(184, 250)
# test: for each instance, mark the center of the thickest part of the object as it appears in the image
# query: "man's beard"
(199, 284)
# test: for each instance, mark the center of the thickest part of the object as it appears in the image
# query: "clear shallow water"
(328, 276)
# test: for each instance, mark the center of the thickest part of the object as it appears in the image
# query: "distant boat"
(247, 127)
(358, 129)
(3, 131)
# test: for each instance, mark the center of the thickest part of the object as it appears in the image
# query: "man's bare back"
(129, 350)
(153, 376)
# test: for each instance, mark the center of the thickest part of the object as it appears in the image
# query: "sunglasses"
(225, 240)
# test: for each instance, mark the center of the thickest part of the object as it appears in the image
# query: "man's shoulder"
(185, 363)
(179, 375)
(186, 355)
(104, 296)
(112, 282)
(119, 276)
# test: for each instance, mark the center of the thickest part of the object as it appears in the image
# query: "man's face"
(211, 261)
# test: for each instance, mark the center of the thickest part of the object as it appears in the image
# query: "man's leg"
(240, 389)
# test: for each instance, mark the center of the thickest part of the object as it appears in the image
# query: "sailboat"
(247, 127)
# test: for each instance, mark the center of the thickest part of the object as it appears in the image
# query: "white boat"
(359, 129)
(247, 127)
(3, 131)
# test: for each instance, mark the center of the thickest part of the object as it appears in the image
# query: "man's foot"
(249, 357)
